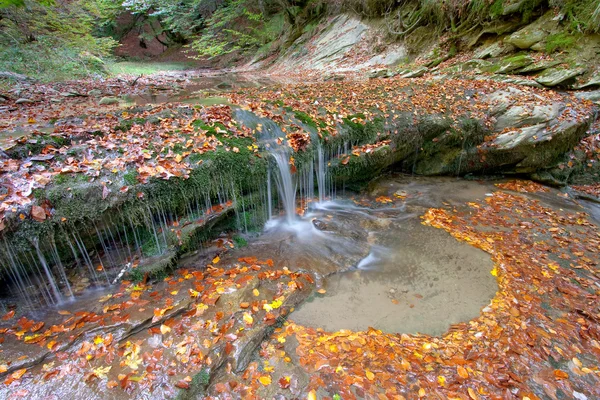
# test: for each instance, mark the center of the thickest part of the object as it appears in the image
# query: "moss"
(135, 275)
(305, 119)
(239, 241)
(198, 386)
(130, 178)
(496, 9)
(559, 41)
(36, 144)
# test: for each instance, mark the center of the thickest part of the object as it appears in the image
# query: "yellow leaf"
(472, 394)
(421, 392)
(255, 292)
(370, 375)
(494, 272)
(441, 380)
(248, 318)
(164, 329)
(104, 299)
(174, 292)
(216, 260)
(312, 395)
(3, 368)
(265, 380)
(98, 340)
(101, 372)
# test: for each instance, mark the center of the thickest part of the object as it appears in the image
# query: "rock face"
(514, 63)
(331, 46)
(525, 138)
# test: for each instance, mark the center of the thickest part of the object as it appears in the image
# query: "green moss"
(240, 241)
(496, 9)
(559, 41)
(305, 119)
(130, 178)
(135, 275)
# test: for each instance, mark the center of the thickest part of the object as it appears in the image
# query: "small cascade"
(94, 253)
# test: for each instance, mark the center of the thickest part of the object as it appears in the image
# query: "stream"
(327, 258)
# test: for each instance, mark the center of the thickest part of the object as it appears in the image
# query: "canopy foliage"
(73, 35)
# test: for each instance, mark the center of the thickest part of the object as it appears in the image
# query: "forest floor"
(196, 331)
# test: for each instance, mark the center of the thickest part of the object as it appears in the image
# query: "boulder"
(106, 101)
(533, 33)
(414, 73)
(23, 101)
(558, 76)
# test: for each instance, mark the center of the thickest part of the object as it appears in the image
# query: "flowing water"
(374, 263)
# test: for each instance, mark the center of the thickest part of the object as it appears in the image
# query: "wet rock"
(23, 101)
(558, 76)
(320, 225)
(108, 101)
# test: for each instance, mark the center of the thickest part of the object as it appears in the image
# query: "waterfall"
(286, 186)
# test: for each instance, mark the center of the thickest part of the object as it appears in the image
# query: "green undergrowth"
(146, 68)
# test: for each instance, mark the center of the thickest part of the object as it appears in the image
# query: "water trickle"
(269, 194)
(321, 173)
(54, 287)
